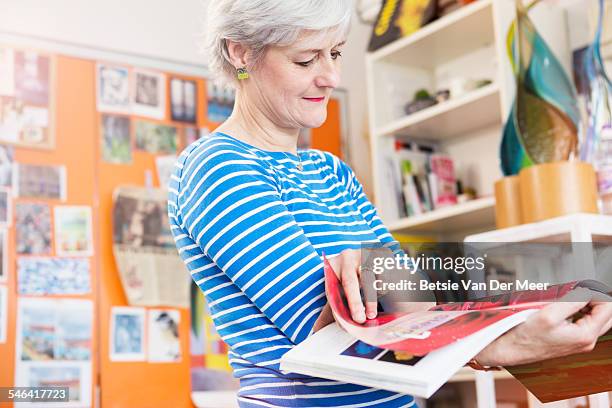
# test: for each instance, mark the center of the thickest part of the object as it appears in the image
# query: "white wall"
(170, 31)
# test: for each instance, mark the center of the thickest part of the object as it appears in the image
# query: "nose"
(329, 75)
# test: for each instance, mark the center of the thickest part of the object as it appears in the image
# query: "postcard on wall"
(73, 231)
(53, 276)
(39, 181)
(149, 94)
(165, 167)
(6, 165)
(113, 88)
(7, 71)
(3, 312)
(4, 255)
(77, 376)
(183, 100)
(115, 139)
(127, 334)
(24, 125)
(54, 329)
(26, 79)
(6, 204)
(220, 101)
(32, 78)
(156, 138)
(33, 229)
(163, 334)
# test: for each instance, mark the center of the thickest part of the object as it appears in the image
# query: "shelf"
(451, 118)
(580, 227)
(443, 40)
(479, 213)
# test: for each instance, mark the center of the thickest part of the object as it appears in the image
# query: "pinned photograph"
(163, 335)
(75, 376)
(3, 312)
(155, 138)
(113, 89)
(33, 229)
(149, 94)
(220, 101)
(73, 231)
(6, 215)
(7, 71)
(53, 276)
(127, 334)
(183, 100)
(32, 78)
(165, 167)
(4, 265)
(6, 165)
(39, 181)
(24, 125)
(116, 143)
(54, 329)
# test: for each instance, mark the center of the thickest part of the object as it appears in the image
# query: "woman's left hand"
(550, 333)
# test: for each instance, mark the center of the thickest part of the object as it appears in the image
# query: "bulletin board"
(76, 123)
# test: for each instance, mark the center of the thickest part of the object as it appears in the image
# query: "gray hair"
(259, 24)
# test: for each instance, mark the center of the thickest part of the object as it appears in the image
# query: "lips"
(315, 99)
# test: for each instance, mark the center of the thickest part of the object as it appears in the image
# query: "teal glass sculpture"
(598, 102)
(544, 120)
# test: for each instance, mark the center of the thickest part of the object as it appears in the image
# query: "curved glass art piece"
(544, 120)
(598, 101)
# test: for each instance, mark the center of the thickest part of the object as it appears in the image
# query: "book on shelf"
(421, 179)
(416, 353)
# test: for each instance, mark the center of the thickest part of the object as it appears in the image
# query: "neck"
(251, 125)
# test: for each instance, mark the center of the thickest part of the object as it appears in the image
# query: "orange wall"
(91, 182)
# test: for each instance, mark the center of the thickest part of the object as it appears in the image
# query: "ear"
(238, 54)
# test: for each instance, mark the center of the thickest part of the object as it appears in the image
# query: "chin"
(315, 121)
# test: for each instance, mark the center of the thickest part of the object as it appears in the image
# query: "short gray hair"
(258, 24)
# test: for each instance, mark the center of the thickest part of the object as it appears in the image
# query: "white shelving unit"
(468, 43)
(477, 213)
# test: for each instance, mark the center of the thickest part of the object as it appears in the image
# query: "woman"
(252, 215)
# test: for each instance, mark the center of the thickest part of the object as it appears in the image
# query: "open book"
(416, 353)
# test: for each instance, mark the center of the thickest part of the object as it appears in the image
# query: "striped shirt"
(251, 229)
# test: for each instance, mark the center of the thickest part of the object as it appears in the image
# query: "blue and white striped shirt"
(251, 229)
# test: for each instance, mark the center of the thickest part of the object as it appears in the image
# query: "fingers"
(597, 322)
(556, 313)
(371, 309)
(350, 284)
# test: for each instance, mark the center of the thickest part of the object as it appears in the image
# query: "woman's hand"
(550, 333)
(346, 266)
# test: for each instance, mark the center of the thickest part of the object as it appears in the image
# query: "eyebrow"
(315, 51)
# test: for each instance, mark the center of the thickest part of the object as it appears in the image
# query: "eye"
(305, 63)
(336, 54)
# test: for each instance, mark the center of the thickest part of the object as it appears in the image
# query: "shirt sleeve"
(230, 205)
(368, 211)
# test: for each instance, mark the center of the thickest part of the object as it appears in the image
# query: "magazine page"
(421, 332)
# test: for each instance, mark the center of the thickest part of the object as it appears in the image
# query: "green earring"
(242, 74)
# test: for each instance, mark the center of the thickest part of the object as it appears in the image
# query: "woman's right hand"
(346, 266)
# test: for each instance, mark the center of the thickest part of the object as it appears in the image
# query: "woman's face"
(292, 85)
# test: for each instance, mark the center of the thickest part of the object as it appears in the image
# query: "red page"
(419, 333)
